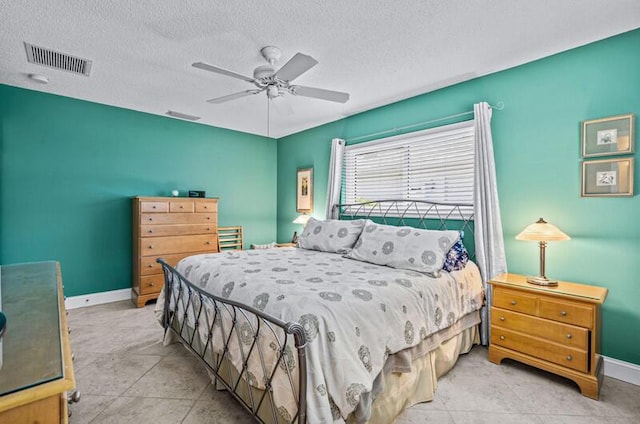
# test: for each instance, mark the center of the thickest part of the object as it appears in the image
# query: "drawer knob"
(150, 266)
(569, 336)
(150, 246)
(206, 207)
(208, 217)
(208, 242)
(501, 337)
(74, 397)
(181, 206)
(152, 284)
(563, 313)
(513, 302)
(153, 206)
(501, 318)
(69, 330)
(569, 357)
(150, 231)
(150, 219)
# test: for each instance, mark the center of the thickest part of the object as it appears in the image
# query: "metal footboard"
(218, 330)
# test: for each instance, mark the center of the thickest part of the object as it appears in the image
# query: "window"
(435, 165)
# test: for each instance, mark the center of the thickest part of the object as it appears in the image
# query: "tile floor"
(125, 375)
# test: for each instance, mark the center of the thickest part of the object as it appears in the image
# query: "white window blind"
(435, 165)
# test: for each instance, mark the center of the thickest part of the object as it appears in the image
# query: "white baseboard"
(74, 302)
(621, 370)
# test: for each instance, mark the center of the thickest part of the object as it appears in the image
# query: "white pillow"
(404, 247)
(332, 236)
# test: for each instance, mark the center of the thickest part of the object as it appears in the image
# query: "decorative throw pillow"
(457, 257)
(333, 236)
(404, 247)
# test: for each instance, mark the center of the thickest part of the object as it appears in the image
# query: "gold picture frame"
(608, 136)
(304, 190)
(607, 177)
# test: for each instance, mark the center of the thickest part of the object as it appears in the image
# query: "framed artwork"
(608, 136)
(304, 190)
(607, 177)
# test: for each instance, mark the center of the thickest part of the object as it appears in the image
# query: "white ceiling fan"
(276, 83)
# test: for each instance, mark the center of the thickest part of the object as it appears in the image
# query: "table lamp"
(541, 231)
(302, 220)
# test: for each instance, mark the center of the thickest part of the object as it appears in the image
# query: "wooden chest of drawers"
(171, 228)
(553, 328)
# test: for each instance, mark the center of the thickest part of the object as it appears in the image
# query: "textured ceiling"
(378, 51)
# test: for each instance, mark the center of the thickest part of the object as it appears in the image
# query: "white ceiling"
(378, 51)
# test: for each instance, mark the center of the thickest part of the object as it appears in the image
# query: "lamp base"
(542, 281)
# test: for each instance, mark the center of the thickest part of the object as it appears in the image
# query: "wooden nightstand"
(556, 329)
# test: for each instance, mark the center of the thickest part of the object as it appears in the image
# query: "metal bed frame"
(191, 303)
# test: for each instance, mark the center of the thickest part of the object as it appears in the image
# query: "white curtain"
(490, 255)
(335, 175)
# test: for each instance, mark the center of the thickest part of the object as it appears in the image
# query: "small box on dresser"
(172, 228)
(555, 328)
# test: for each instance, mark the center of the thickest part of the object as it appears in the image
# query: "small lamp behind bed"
(301, 220)
(542, 232)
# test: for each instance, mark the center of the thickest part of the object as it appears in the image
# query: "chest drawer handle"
(501, 337)
(208, 229)
(150, 231)
(150, 246)
(153, 207)
(563, 313)
(208, 217)
(149, 266)
(569, 357)
(151, 284)
(206, 207)
(501, 318)
(569, 336)
(513, 302)
(150, 219)
(181, 206)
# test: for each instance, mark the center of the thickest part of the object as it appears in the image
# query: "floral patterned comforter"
(354, 313)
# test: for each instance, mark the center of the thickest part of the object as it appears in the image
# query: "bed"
(323, 334)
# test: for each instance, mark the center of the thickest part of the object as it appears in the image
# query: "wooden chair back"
(230, 238)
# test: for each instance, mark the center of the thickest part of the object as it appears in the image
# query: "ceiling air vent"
(57, 60)
(182, 115)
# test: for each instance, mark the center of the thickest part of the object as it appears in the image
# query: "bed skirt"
(409, 377)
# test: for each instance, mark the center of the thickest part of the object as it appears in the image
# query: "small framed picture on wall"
(608, 136)
(304, 190)
(607, 177)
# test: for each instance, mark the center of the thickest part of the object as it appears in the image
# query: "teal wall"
(537, 152)
(69, 167)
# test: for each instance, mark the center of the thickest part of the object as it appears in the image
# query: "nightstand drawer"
(539, 348)
(514, 301)
(564, 334)
(566, 311)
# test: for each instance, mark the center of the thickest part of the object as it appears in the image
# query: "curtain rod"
(498, 106)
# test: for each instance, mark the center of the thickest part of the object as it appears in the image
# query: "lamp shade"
(541, 230)
(302, 219)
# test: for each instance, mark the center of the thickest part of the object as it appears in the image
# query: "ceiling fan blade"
(233, 96)
(211, 68)
(296, 66)
(319, 93)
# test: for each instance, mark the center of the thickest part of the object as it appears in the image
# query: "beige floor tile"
(126, 410)
(460, 417)
(468, 393)
(418, 416)
(113, 374)
(210, 412)
(88, 408)
(119, 350)
(173, 377)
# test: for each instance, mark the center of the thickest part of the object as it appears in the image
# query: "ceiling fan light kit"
(276, 83)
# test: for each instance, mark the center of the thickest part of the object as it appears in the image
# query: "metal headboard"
(414, 213)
